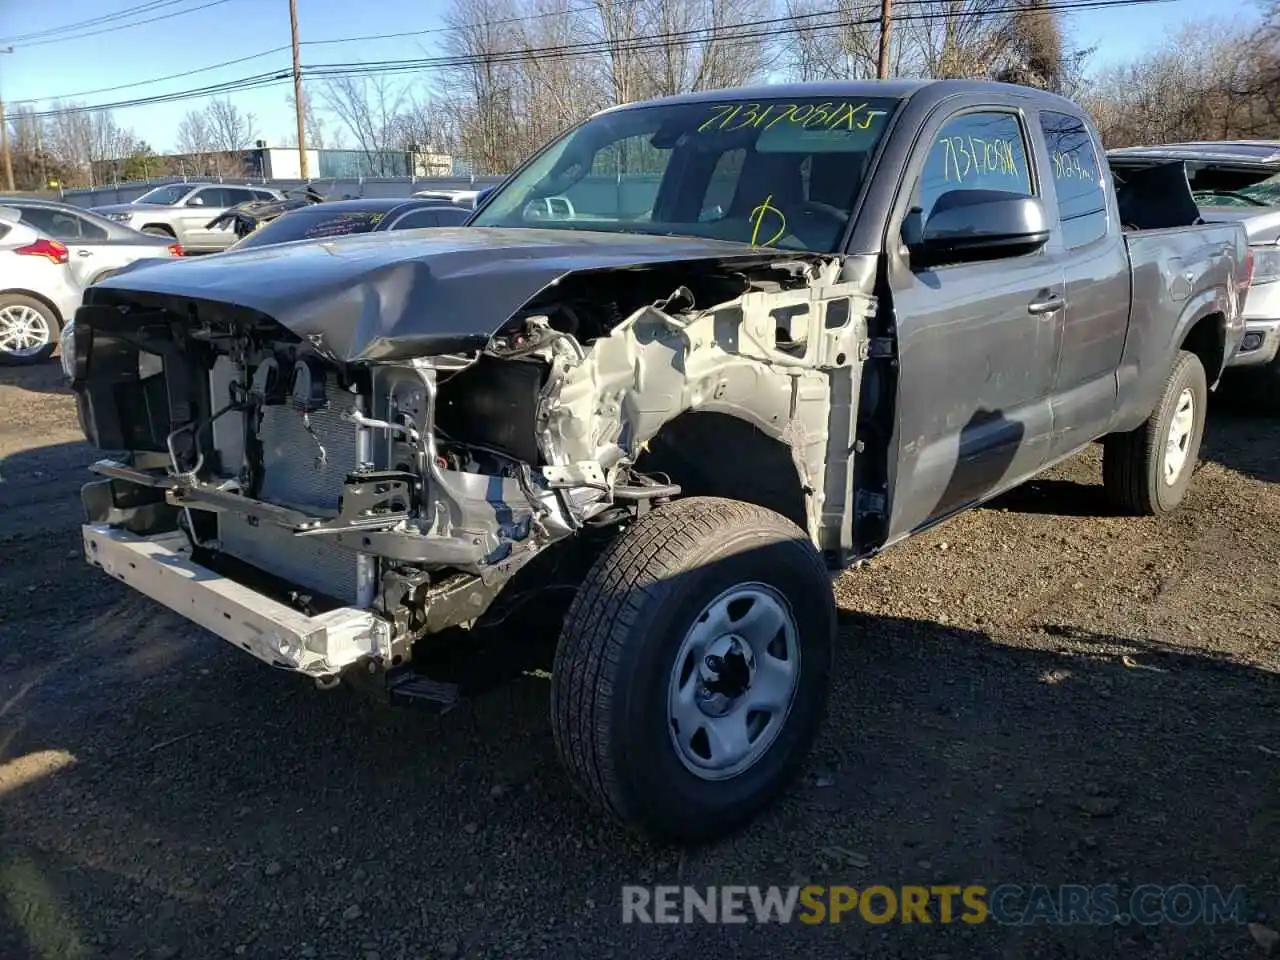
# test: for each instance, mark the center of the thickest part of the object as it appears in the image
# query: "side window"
(1077, 179)
(417, 220)
(239, 195)
(90, 230)
(208, 197)
(975, 151)
(47, 221)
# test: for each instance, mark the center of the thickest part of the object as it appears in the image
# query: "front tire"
(1148, 470)
(28, 330)
(692, 669)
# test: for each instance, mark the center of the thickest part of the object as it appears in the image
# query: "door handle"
(84, 253)
(1046, 307)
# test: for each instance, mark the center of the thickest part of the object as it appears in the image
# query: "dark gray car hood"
(380, 296)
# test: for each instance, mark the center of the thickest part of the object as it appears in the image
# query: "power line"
(124, 26)
(147, 83)
(491, 23)
(274, 50)
(95, 21)
(772, 27)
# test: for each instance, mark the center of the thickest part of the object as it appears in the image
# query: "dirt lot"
(1037, 692)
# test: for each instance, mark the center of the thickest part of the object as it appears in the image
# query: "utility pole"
(4, 141)
(886, 25)
(298, 103)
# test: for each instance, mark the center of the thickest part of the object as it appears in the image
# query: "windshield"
(1263, 193)
(312, 223)
(167, 195)
(781, 173)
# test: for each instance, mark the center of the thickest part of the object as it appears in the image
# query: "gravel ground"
(1036, 692)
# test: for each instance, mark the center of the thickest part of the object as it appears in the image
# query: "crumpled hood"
(381, 296)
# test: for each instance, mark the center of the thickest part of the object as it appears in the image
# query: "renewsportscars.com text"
(1007, 904)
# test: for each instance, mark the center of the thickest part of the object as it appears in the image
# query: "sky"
(215, 31)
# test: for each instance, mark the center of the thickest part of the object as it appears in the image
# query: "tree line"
(510, 74)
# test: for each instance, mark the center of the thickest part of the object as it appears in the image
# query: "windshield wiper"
(1234, 196)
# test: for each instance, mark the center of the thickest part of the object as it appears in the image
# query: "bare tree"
(704, 45)
(195, 142)
(962, 38)
(368, 107)
(229, 129)
(1207, 82)
(313, 124)
(840, 42)
(480, 90)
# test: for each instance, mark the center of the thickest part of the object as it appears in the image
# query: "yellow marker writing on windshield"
(757, 218)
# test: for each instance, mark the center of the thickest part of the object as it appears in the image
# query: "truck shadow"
(210, 799)
(1242, 440)
(38, 378)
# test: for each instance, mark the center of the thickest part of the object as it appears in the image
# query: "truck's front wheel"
(692, 671)
(1147, 471)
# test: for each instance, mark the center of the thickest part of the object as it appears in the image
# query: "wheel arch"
(713, 453)
(1206, 337)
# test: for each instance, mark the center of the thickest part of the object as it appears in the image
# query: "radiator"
(296, 474)
(312, 563)
(293, 473)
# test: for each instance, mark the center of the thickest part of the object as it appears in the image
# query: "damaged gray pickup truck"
(773, 331)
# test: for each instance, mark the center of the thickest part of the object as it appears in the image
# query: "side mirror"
(481, 197)
(971, 225)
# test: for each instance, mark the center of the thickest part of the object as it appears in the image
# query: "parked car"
(245, 218)
(183, 212)
(38, 291)
(1237, 181)
(459, 198)
(358, 457)
(336, 218)
(97, 246)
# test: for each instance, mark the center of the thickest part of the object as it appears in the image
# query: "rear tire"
(1148, 470)
(664, 717)
(28, 330)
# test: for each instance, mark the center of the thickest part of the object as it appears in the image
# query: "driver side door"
(978, 342)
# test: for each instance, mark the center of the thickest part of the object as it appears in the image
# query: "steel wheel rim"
(1177, 446)
(733, 681)
(24, 331)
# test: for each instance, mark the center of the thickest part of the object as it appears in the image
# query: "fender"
(1143, 382)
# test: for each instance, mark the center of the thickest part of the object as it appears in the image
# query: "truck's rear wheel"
(692, 670)
(1147, 471)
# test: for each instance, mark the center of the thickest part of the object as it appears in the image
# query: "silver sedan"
(96, 246)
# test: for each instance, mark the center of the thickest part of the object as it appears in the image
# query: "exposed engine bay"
(384, 500)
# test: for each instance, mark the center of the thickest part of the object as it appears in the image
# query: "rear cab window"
(1077, 179)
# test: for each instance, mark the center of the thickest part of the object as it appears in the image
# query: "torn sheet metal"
(389, 297)
(768, 357)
